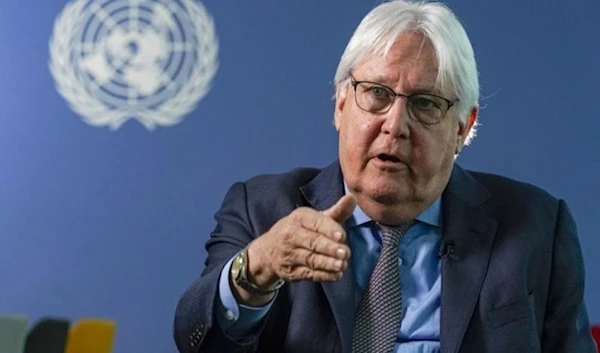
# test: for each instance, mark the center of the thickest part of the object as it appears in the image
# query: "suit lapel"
(472, 232)
(321, 193)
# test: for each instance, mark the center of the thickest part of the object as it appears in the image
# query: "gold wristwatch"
(239, 273)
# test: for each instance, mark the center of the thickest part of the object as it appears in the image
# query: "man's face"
(395, 165)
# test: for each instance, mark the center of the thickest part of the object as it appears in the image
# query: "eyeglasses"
(376, 98)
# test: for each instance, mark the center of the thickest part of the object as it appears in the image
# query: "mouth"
(388, 158)
(389, 163)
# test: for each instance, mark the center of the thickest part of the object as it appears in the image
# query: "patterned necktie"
(380, 310)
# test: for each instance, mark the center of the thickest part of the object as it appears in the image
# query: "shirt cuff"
(237, 320)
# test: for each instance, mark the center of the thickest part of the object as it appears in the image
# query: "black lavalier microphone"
(447, 250)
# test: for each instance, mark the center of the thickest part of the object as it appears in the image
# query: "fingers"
(319, 243)
(314, 261)
(313, 256)
(328, 222)
(304, 264)
(305, 273)
(310, 245)
(342, 209)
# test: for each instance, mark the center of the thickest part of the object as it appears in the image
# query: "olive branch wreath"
(170, 112)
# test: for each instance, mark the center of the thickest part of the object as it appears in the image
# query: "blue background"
(113, 224)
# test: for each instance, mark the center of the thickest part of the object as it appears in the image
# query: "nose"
(396, 120)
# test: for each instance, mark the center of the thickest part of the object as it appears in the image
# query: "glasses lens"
(373, 98)
(426, 108)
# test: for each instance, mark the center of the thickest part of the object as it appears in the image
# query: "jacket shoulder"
(513, 190)
(281, 182)
(275, 195)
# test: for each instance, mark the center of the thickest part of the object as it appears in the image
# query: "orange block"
(91, 336)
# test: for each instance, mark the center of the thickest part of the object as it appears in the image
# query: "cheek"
(431, 147)
(358, 133)
(356, 137)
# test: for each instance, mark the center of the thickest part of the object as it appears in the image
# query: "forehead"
(410, 63)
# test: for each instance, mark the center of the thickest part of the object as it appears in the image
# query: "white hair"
(379, 30)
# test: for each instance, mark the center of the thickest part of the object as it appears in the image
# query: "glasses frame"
(355, 83)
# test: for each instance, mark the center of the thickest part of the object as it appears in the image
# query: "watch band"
(240, 265)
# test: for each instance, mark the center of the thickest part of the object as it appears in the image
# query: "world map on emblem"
(149, 60)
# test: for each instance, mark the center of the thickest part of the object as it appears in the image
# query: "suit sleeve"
(566, 324)
(195, 328)
(236, 320)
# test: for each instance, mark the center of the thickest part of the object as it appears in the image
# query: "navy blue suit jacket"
(514, 284)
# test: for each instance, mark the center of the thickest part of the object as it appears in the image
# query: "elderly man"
(394, 248)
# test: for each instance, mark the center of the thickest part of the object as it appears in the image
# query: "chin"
(389, 193)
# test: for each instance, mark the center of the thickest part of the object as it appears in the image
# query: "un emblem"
(149, 60)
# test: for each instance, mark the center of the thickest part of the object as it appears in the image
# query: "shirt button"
(229, 315)
(400, 262)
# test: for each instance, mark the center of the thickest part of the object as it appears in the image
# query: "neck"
(392, 214)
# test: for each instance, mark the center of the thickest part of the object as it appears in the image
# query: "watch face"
(236, 266)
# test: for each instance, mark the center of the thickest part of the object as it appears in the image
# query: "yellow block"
(91, 336)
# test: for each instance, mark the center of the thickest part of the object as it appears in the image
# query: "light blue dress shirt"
(420, 275)
(420, 278)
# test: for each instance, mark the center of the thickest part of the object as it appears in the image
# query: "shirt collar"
(431, 216)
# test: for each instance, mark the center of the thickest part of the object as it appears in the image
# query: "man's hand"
(305, 245)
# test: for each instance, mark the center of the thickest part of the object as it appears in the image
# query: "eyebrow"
(381, 80)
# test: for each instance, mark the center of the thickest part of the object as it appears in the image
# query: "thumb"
(342, 209)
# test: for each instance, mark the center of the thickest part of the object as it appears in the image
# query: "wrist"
(257, 282)
(247, 298)
(259, 273)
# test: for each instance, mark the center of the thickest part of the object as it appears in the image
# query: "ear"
(340, 101)
(464, 130)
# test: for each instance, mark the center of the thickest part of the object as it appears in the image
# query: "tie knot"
(392, 234)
